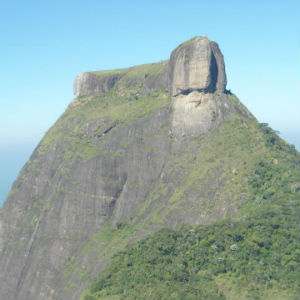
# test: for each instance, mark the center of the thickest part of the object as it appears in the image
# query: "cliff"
(148, 77)
(139, 149)
(197, 64)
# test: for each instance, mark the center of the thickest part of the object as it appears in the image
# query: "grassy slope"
(70, 129)
(150, 69)
(121, 104)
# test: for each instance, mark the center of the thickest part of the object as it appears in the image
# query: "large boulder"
(197, 64)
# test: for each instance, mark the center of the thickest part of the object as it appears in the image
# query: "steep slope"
(127, 159)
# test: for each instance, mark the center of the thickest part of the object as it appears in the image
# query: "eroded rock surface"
(197, 82)
(147, 77)
(88, 83)
(198, 113)
(197, 64)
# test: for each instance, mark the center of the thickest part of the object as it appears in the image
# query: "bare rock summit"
(196, 71)
(192, 75)
(197, 64)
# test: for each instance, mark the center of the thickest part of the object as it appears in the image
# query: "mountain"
(141, 149)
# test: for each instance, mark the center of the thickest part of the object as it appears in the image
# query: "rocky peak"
(197, 64)
(193, 73)
(196, 70)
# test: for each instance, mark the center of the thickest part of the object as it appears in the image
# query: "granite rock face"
(193, 73)
(88, 83)
(198, 113)
(148, 77)
(58, 204)
(113, 158)
(197, 64)
(196, 71)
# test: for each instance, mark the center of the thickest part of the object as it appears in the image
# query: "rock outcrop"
(198, 113)
(88, 83)
(193, 73)
(197, 64)
(148, 77)
(115, 158)
(196, 71)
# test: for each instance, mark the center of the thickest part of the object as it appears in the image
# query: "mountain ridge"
(136, 151)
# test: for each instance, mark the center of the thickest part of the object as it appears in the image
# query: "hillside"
(139, 150)
(256, 258)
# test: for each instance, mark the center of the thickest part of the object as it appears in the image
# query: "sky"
(45, 44)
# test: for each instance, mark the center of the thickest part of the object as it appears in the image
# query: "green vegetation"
(257, 258)
(107, 242)
(146, 69)
(72, 133)
(186, 43)
(223, 168)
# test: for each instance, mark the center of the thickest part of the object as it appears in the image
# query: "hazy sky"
(44, 44)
